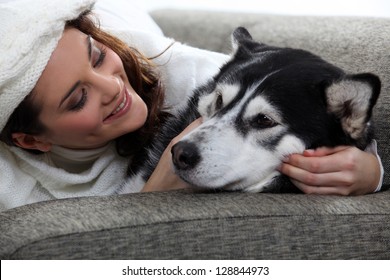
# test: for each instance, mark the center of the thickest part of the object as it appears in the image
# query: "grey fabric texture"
(191, 225)
(227, 225)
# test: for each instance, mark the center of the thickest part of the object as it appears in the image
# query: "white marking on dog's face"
(244, 156)
(219, 98)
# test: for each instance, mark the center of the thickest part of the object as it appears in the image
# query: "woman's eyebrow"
(69, 93)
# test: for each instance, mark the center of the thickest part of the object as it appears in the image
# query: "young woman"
(72, 94)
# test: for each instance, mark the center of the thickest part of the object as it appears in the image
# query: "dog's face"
(265, 104)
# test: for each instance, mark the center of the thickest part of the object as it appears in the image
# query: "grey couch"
(193, 225)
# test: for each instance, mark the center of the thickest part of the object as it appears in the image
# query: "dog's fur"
(264, 104)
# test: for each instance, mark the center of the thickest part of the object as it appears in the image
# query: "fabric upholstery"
(190, 225)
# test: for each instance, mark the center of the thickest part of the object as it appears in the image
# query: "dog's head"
(265, 104)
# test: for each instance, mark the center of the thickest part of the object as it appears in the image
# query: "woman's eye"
(98, 52)
(101, 54)
(79, 104)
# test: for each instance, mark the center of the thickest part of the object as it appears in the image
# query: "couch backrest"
(356, 44)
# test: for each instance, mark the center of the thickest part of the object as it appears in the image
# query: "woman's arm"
(342, 170)
(163, 177)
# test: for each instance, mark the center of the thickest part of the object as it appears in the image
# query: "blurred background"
(370, 8)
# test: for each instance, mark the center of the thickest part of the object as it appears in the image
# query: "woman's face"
(85, 96)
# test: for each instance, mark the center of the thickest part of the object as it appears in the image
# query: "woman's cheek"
(85, 124)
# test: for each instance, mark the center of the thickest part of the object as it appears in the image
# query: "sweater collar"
(75, 160)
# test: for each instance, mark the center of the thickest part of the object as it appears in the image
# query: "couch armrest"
(188, 225)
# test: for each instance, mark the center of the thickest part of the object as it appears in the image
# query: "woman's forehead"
(70, 53)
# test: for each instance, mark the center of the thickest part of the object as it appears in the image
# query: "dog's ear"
(240, 34)
(244, 46)
(240, 38)
(352, 99)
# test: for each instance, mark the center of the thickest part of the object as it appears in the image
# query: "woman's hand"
(163, 178)
(342, 170)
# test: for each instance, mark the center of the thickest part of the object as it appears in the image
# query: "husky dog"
(265, 104)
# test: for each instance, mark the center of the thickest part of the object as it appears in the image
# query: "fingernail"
(308, 152)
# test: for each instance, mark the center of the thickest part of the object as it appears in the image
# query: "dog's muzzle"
(185, 155)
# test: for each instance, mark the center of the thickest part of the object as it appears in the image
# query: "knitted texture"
(29, 35)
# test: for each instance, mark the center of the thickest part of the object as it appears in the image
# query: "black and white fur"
(264, 104)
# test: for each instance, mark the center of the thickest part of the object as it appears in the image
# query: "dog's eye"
(263, 121)
(219, 101)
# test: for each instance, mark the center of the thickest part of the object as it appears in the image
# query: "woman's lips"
(122, 108)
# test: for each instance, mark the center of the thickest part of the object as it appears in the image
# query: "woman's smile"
(121, 109)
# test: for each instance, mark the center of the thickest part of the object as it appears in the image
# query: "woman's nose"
(110, 88)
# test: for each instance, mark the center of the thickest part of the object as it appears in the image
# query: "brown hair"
(142, 77)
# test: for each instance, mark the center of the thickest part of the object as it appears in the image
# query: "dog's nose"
(185, 155)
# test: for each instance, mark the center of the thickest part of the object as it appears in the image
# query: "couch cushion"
(188, 225)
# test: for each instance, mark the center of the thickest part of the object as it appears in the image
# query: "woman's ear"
(30, 142)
